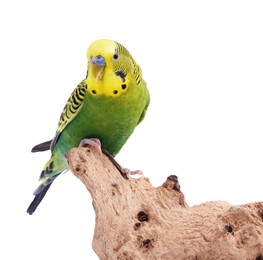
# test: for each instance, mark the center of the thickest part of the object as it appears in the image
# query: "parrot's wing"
(71, 109)
(144, 112)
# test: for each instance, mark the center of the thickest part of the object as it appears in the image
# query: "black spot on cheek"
(121, 74)
(115, 92)
(123, 86)
(94, 91)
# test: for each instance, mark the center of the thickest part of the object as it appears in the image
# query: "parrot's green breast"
(110, 119)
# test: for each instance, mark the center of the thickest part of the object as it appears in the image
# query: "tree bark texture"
(135, 220)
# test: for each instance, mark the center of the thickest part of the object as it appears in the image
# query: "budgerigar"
(107, 105)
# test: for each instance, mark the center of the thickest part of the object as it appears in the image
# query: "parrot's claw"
(92, 142)
(129, 172)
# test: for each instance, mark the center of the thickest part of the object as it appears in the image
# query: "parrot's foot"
(124, 172)
(92, 142)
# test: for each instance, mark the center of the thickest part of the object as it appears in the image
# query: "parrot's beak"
(97, 66)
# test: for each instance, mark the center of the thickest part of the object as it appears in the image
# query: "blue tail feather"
(47, 176)
(38, 198)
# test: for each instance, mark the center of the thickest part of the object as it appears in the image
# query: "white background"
(203, 62)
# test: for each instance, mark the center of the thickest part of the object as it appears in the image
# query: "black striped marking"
(47, 171)
(74, 102)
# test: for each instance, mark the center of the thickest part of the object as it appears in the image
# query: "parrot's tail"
(41, 147)
(38, 198)
(47, 176)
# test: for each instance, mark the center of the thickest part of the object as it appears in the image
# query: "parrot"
(103, 110)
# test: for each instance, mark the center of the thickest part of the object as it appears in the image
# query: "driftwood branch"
(134, 220)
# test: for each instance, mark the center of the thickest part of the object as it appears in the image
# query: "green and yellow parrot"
(104, 109)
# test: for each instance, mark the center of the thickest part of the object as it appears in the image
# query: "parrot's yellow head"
(111, 69)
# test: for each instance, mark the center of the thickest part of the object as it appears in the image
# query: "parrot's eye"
(115, 56)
